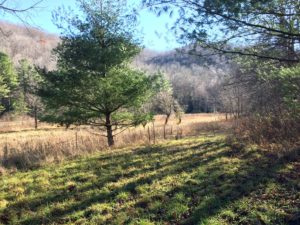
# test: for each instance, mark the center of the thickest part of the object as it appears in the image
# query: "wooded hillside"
(21, 42)
(195, 82)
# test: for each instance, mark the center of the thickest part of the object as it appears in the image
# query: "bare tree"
(165, 103)
(10, 7)
(20, 11)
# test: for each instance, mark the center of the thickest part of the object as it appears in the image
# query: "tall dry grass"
(273, 132)
(10, 123)
(28, 148)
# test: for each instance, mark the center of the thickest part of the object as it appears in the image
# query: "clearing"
(198, 180)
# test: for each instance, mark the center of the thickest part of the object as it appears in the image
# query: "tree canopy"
(267, 29)
(102, 39)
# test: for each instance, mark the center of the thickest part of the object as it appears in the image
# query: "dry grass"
(23, 123)
(273, 133)
(27, 148)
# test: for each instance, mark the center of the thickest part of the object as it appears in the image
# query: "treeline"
(18, 88)
(22, 50)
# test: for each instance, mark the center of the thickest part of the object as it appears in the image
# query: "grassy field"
(196, 180)
(26, 123)
(22, 147)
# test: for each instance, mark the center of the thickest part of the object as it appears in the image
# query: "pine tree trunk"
(110, 137)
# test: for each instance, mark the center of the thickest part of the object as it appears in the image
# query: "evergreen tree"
(94, 84)
(8, 82)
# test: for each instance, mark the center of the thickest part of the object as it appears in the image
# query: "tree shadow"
(253, 173)
(161, 162)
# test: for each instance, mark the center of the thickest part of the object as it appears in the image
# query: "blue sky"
(153, 28)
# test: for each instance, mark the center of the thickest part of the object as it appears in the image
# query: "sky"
(153, 29)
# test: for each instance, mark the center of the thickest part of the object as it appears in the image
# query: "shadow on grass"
(213, 183)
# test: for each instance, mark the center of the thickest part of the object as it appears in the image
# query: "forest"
(96, 127)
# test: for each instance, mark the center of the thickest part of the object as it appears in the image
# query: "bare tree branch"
(16, 10)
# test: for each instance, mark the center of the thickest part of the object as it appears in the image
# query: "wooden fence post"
(76, 139)
(154, 136)
(149, 135)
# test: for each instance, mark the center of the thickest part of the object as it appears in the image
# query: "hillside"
(196, 82)
(21, 42)
(189, 181)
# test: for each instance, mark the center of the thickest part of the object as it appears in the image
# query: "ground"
(198, 180)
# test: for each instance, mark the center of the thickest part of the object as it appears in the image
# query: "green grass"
(189, 181)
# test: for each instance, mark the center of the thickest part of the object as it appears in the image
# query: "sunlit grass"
(188, 181)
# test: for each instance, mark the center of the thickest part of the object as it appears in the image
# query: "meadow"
(194, 180)
(197, 175)
(23, 147)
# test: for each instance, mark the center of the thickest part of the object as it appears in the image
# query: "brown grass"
(22, 147)
(22, 123)
(275, 133)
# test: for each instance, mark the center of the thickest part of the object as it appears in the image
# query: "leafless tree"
(11, 7)
(165, 104)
